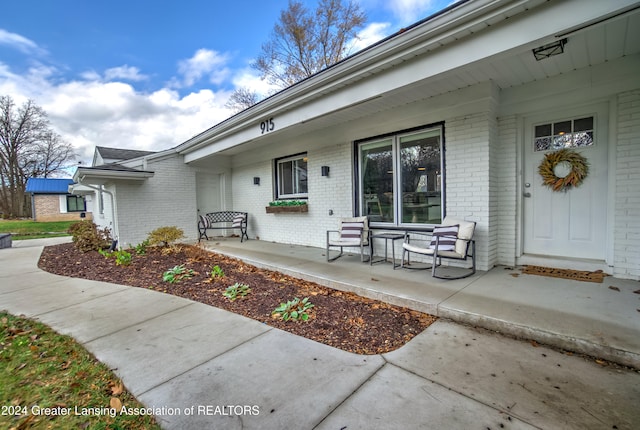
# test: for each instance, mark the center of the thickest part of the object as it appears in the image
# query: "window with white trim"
(401, 178)
(76, 204)
(291, 177)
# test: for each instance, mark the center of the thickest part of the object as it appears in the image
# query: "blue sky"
(146, 74)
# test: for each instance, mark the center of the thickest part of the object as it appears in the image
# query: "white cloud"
(204, 63)
(127, 73)
(370, 34)
(18, 42)
(250, 78)
(92, 112)
(410, 11)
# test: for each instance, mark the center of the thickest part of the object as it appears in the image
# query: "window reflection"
(564, 134)
(401, 178)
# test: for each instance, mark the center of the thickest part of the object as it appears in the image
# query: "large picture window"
(401, 178)
(292, 177)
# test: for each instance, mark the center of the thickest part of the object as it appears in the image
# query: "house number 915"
(267, 125)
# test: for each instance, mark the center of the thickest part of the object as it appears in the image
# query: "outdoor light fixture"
(325, 170)
(256, 180)
(549, 50)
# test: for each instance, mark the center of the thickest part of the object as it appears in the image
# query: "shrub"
(165, 236)
(141, 248)
(88, 237)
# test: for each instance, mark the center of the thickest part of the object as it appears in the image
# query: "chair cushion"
(204, 221)
(351, 230)
(237, 221)
(447, 236)
(465, 230)
(428, 251)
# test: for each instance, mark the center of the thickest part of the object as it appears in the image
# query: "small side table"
(387, 237)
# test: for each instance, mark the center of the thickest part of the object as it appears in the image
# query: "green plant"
(165, 236)
(236, 290)
(122, 257)
(217, 272)
(87, 236)
(141, 248)
(288, 203)
(294, 309)
(177, 274)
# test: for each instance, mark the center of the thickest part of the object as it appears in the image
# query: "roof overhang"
(100, 176)
(466, 44)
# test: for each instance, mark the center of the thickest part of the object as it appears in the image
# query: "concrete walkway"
(601, 320)
(202, 367)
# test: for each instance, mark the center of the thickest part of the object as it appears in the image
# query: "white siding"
(506, 160)
(468, 194)
(166, 199)
(333, 192)
(627, 184)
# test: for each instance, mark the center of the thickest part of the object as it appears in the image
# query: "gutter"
(101, 190)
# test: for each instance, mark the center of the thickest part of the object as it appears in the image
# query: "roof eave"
(97, 176)
(455, 19)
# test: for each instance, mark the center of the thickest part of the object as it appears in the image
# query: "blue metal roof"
(48, 186)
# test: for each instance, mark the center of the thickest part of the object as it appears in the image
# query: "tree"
(28, 148)
(303, 42)
(241, 99)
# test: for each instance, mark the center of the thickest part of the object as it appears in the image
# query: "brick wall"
(627, 184)
(506, 158)
(468, 192)
(166, 199)
(333, 192)
(47, 208)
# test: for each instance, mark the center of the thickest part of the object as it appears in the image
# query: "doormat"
(576, 275)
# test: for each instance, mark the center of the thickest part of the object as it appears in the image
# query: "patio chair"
(452, 240)
(353, 233)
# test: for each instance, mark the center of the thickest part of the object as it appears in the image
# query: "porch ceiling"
(597, 43)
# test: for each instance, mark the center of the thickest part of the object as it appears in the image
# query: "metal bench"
(223, 220)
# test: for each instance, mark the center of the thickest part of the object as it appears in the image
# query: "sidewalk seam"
(202, 363)
(355, 390)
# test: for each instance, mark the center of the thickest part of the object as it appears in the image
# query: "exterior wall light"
(325, 170)
(549, 50)
(256, 180)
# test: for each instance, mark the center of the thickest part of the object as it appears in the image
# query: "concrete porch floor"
(583, 317)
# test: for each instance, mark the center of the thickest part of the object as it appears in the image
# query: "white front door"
(571, 223)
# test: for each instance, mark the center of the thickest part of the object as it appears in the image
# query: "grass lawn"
(27, 229)
(49, 381)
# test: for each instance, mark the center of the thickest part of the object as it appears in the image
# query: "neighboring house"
(104, 155)
(51, 200)
(451, 116)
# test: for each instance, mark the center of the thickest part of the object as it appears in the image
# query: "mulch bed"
(339, 319)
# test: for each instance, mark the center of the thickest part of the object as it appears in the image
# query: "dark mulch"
(340, 319)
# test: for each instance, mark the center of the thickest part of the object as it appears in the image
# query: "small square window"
(560, 128)
(292, 177)
(543, 130)
(583, 124)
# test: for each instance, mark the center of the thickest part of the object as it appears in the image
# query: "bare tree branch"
(303, 42)
(28, 148)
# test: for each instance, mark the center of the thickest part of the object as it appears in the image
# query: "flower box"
(287, 209)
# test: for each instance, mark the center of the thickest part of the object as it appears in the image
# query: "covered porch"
(598, 319)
